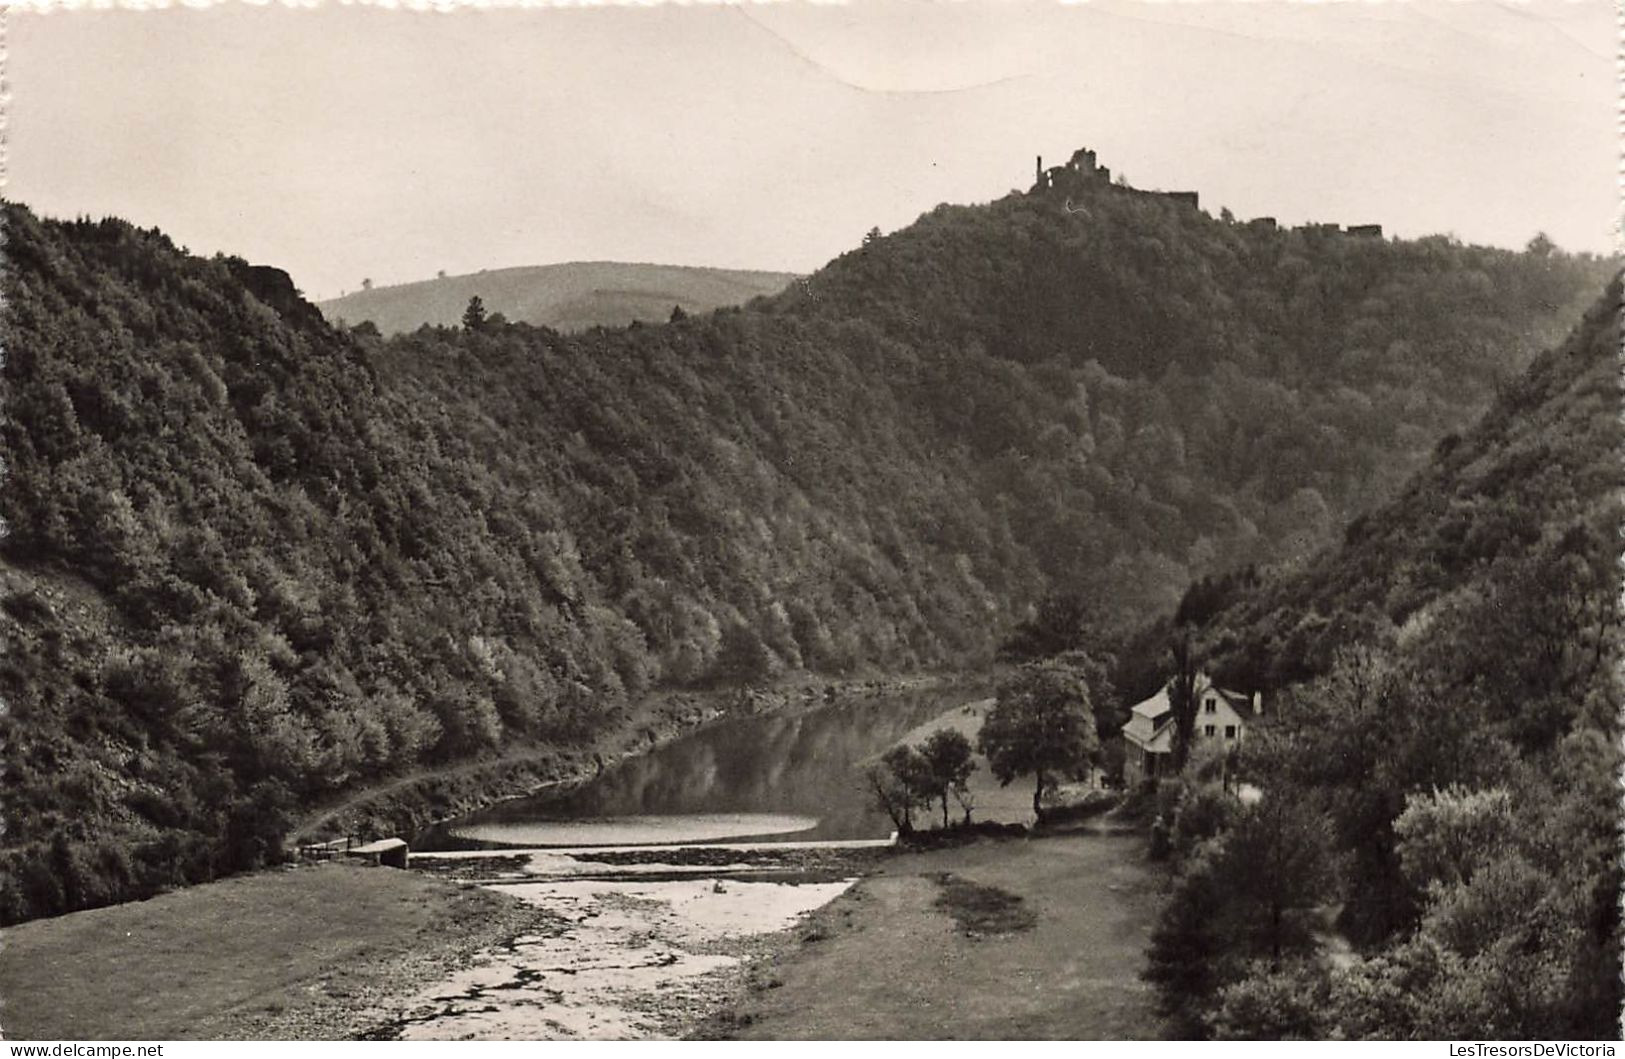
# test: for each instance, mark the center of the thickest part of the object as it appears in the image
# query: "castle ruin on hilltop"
(1083, 172)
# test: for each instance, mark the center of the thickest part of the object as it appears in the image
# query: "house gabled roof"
(1150, 724)
(1148, 719)
(1158, 741)
(1155, 706)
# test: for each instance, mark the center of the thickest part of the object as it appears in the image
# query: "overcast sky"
(344, 142)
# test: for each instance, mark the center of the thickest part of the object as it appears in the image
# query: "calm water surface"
(787, 777)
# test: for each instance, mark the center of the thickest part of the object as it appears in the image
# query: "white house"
(1148, 737)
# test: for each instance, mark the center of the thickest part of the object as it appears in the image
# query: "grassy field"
(1021, 939)
(299, 952)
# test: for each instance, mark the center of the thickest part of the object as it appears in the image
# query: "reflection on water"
(799, 765)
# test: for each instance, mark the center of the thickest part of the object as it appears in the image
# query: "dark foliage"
(1041, 724)
(252, 561)
(1442, 751)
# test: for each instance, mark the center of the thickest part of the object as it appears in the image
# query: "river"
(787, 776)
(659, 878)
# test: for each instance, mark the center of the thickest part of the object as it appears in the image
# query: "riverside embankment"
(409, 805)
(334, 950)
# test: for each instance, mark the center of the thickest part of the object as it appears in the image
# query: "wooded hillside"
(252, 561)
(1439, 768)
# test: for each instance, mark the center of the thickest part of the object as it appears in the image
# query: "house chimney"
(1258, 703)
(1038, 171)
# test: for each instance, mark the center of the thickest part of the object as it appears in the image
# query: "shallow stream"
(661, 874)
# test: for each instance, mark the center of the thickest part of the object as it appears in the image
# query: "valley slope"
(254, 561)
(1439, 762)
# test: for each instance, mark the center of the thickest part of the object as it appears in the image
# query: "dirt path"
(886, 961)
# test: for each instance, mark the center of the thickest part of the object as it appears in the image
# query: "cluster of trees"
(923, 777)
(253, 560)
(1248, 877)
(1441, 791)
(1042, 724)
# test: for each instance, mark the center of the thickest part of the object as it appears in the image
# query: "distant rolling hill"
(568, 297)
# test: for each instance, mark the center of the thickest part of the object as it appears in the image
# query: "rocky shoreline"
(359, 1010)
(374, 1009)
(649, 955)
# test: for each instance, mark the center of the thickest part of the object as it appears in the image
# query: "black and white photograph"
(891, 520)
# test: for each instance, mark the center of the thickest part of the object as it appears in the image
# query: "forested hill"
(1219, 392)
(253, 561)
(1526, 498)
(1143, 284)
(567, 297)
(1441, 768)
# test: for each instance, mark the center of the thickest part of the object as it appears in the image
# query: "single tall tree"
(1042, 723)
(1182, 695)
(474, 315)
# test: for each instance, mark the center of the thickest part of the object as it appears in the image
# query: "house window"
(1212, 706)
(1229, 731)
(1207, 730)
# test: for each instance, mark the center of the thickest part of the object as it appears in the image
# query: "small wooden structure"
(389, 852)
